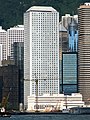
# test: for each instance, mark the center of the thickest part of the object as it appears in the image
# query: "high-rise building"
(41, 50)
(19, 62)
(15, 34)
(84, 51)
(69, 72)
(68, 46)
(3, 42)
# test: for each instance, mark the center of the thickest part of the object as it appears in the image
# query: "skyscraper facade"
(69, 72)
(63, 39)
(41, 50)
(67, 19)
(19, 62)
(15, 34)
(9, 86)
(84, 51)
(3, 42)
(63, 47)
(73, 35)
(1, 54)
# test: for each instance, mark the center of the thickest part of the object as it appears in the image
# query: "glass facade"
(73, 36)
(19, 61)
(69, 72)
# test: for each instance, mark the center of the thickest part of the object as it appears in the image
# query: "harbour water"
(47, 117)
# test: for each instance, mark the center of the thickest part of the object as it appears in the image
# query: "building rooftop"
(17, 27)
(41, 8)
(2, 30)
(85, 5)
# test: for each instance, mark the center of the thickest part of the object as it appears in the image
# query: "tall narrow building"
(41, 50)
(84, 51)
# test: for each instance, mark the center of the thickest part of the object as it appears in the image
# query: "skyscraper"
(84, 51)
(15, 34)
(41, 50)
(19, 62)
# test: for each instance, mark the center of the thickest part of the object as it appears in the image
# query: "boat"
(3, 113)
(66, 111)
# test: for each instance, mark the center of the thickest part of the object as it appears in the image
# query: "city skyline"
(48, 44)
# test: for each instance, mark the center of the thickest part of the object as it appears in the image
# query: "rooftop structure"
(41, 9)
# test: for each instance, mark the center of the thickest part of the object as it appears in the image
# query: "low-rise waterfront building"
(55, 102)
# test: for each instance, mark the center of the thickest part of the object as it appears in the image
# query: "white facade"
(55, 102)
(1, 54)
(3, 43)
(15, 34)
(67, 19)
(41, 50)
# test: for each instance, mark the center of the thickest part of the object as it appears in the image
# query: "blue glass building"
(69, 72)
(73, 35)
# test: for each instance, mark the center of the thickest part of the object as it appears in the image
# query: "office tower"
(15, 34)
(3, 42)
(84, 51)
(41, 50)
(69, 72)
(73, 35)
(19, 61)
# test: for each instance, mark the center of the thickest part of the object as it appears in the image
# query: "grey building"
(19, 62)
(9, 86)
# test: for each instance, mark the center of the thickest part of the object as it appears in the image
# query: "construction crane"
(5, 100)
(36, 81)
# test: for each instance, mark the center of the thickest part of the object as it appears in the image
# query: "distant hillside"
(11, 11)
